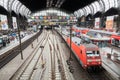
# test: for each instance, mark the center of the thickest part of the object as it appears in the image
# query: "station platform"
(10, 68)
(110, 64)
(15, 43)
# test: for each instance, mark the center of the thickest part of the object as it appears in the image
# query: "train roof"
(102, 38)
(76, 40)
(102, 31)
(90, 47)
(116, 37)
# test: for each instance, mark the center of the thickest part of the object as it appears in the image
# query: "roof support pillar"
(9, 18)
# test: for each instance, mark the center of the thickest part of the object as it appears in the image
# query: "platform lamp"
(18, 28)
(70, 58)
(19, 36)
(9, 6)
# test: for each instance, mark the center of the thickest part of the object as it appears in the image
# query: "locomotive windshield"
(92, 53)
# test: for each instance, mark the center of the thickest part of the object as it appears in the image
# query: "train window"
(92, 53)
(96, 53)
(89, 53)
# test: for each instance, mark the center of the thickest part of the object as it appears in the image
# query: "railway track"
(57, 65)
(59, 68)
(60, 60)
(52, 61)
(99, 74)
(29, 66)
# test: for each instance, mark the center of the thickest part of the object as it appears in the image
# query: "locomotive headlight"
(89, 60)
(98, 60)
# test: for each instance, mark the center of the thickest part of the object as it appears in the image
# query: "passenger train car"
(87, 53)
(80, 30)
(96, 38)
(115, 40)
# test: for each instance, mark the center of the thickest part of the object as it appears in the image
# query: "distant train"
(48, 27)
(87, 53)
(4, 40)
(97, 38)
(80, 30)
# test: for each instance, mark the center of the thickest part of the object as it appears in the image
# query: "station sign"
(45, 17)
(54, 17)
(32, 17)
(60, 17)
(71, 18)
(74, 17)
(49, 17)
(64, 17)
(36, 17)
(41, 17)
(67, 17)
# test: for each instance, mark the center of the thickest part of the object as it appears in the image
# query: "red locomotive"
(87, 53)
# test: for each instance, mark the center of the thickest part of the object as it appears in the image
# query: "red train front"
(87, 54)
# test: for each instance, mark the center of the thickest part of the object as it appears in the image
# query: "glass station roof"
(16, 6)
(97, 6)
(93, 8)
(50, 12)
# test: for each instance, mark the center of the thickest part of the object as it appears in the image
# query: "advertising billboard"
(97, 22)
(3, 22)
(14, 22)
(109, 22)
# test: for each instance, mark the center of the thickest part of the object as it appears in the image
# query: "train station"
(59, 39)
